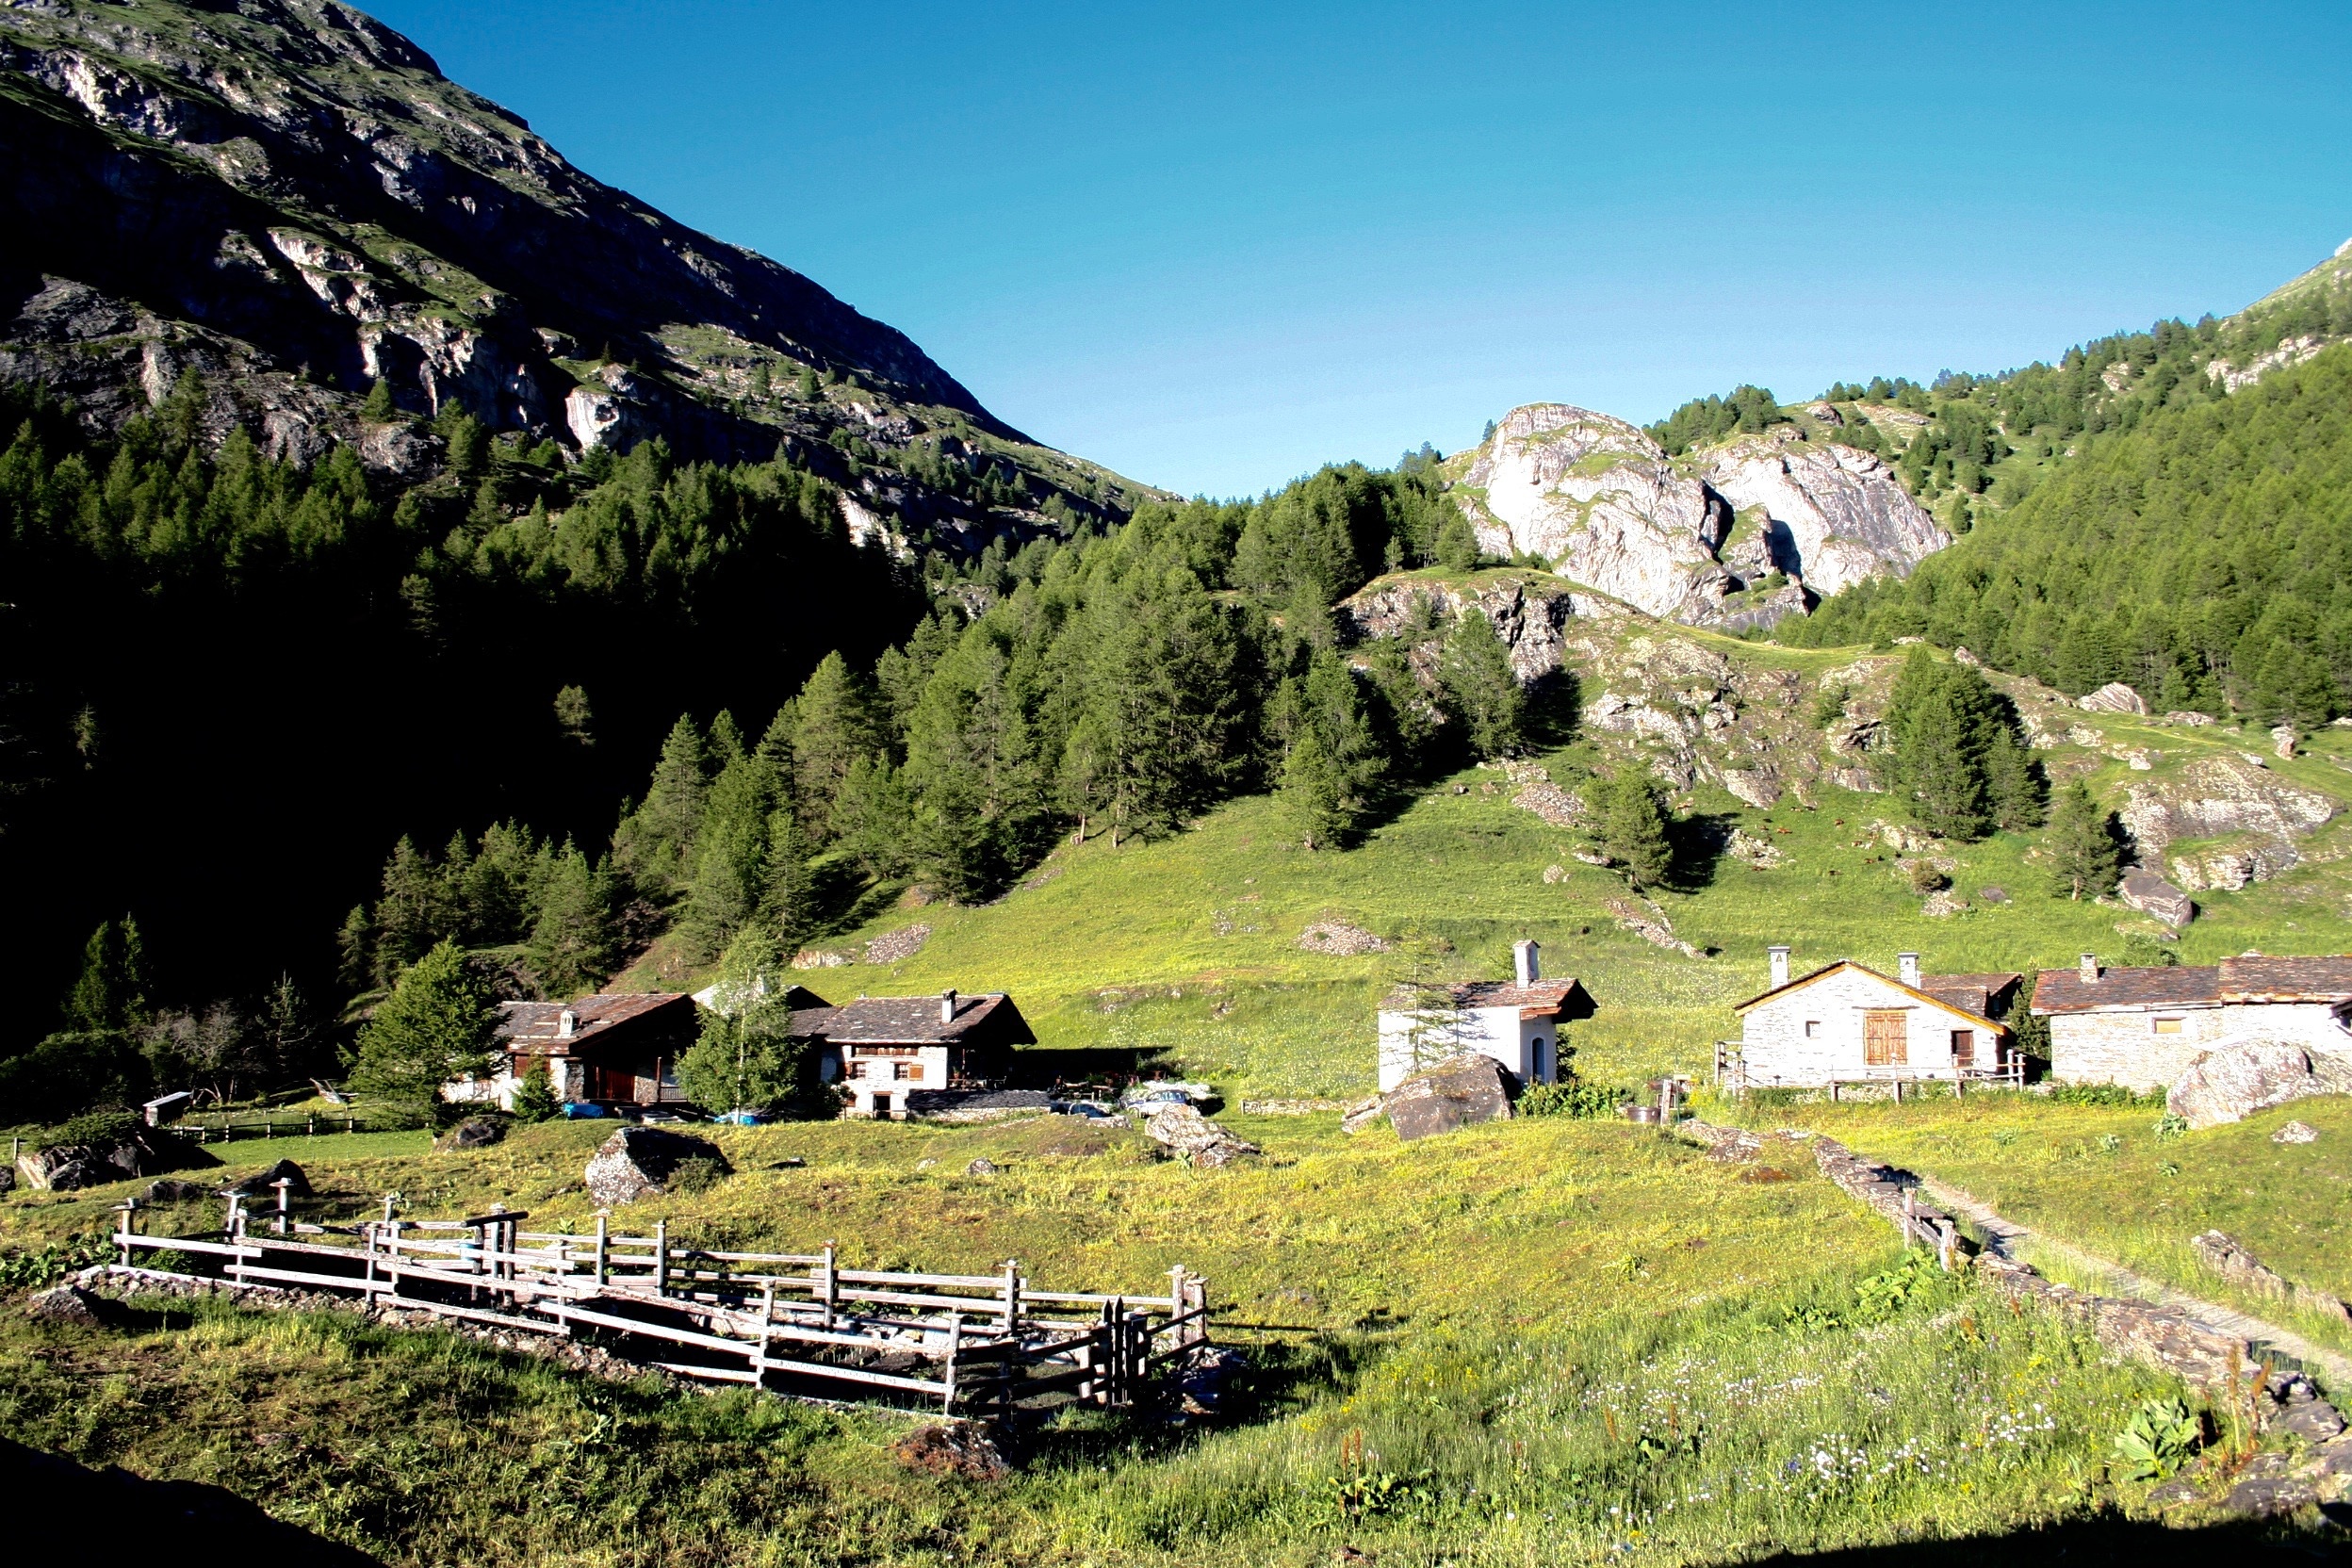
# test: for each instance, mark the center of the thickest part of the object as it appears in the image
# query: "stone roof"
(2065, 990)
(525, 1024)
(2260, 979)
(916, 1020)
(1974, 992)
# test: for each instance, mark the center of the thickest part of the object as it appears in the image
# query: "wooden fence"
(228, 1129)
(975, 1344)
(1732, 1076)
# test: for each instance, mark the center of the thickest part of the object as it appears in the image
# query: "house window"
(1964, 1048)
(909, 1073)
(2167, 1025)
(1812, 1028)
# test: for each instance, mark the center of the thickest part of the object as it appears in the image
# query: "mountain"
(289, 199)
(1736, 534)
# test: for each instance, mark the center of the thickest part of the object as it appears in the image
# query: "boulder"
(64, 1304)
(2283, 742)
(1194, 1139)
(2234, 1080)
(2113, 698)
(70, 1167)
(1361, 1114)
(475, 1131)
(983, 1166)
(172, 1191)
(2295, 1132)
(961, 1449)
(638, 1162)
(2236, 1266)
(1459, 1091)
(2151, 895)
(263, 1183)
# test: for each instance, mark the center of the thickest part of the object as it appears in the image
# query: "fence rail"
(1733, 1076)
(981, 1344)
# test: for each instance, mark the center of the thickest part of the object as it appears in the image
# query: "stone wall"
(2123, 1046)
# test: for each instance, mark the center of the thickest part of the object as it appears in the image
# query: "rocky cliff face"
(1690, 540)
(290, 198)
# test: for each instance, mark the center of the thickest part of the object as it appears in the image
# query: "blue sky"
(1213, 245)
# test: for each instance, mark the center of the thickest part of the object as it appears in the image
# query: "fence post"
(236, 1238)
(128, 1207)
(1910, 1216)
(831, 1282)
(767, 1325)
(661, 1257)
(1012, 1297)
(1946, 1242)
(604, 1221)
(367, 1272)
(954, 1347)
(283, 1185)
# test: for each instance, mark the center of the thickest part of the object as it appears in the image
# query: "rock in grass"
(2151, 895)
(1194, 1139)
(1362, 1114)
(641, 1162)
(982, 1167)
(475, 1131)
(1459, 1091)
(170, 1190)
(64, 1304)
(2234, 1080)
(951, 1450)
(263, 1183)
(2295, 1132)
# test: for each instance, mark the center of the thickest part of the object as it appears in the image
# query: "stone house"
(1515, 1021)
(616, 1050)
(1848, 1024)
(2142, 1028)
(889, 1050)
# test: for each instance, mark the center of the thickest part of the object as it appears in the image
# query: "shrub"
(2111, 1095)
(1571, 1097)
(100, 1128)
(42, 1269)
(535, 1099)
(2157, 1440)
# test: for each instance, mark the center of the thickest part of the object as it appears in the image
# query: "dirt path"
(2007, 1237)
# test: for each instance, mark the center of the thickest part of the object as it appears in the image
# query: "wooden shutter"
(1883, 1041)
(1964, 1048)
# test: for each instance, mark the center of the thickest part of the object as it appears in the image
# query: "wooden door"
(1964, 1048)
(1883, 1043)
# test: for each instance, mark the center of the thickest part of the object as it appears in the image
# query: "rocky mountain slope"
(1735, 534)
(291, 199)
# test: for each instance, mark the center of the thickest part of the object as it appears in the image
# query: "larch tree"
(437, 1026)
(2082, 847)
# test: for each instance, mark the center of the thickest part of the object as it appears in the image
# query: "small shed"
(1516, 1021)
(1848, 1024)
(886, 1049)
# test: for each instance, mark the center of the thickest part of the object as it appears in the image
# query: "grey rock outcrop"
(70, 1167)
(475, 1131)
(638, 1161)
(2113, 698)
(264, 1183)
(1529, 613)
(1602, 501)
(2295, 1132)
(2223, 797)
(2234, 1080)
(1460, 1091)
(1829, 516)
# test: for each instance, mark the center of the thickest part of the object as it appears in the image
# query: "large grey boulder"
(2234, 1080)
(264, 1183)
(1194, 1139)
(2156, 898)
(70, 1167)
(640, 1162)
(1459, 1091)
(475, 1131)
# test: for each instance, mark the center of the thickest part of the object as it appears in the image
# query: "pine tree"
(1457, 544)
(1630, 826)
(435, 1026)
(2014, 782)
(729, 855)
(1315, 792)
(379, 408)
(2082, 850)
(111, 992)
(572, 947)
(654, 843)
(838, 722)
(749, 1061)
(787, 893)
(1482, 689)
(355, 950)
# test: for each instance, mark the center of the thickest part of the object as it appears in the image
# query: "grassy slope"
(1529, 1341)
(2141, 1197)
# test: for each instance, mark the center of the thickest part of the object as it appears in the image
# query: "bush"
(99, 1128)
(535, 1099)
(1571, 1097)
(42, 1269)
(2157, 1441)
(2107, 1095)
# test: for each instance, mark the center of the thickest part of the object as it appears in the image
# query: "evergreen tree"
(1482, 689)
(2018, 794)
(2083, 848)
(1955, 757)
(572, 947)
(355, 950)
(435, 1026)
(837, 724)
(787, 894)
(1630, 826)
(729, 855)
(1457, 544)
(111, 992)
(379, 408)
(655, 842)
(1315, 792)
(748, 1061)
(534, 1099)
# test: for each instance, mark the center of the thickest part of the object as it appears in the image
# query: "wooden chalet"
(888, 1049)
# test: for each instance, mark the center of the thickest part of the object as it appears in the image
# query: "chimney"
(947, 1006)
(1779, 956)
(1526, 961)
(2090, 969)
(566, 1024)
(1907, 968)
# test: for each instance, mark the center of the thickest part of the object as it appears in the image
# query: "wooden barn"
(886, 1049)
(1848, 1024)
(616, 1050)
